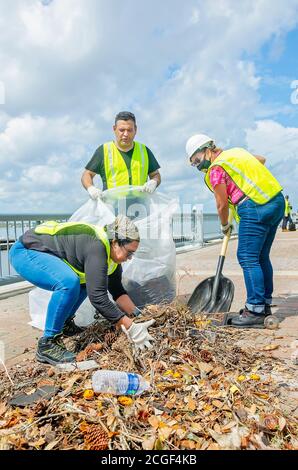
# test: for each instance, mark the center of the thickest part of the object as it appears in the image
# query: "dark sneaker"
(268, 310)
(248, 319)
(71, 329)
(52, 350)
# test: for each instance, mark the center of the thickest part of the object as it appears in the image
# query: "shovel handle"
(226, 237)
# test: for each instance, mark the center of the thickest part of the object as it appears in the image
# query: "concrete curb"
(10, 290)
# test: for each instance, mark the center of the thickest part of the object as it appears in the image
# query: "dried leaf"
(110, 420)
(88, 351)
(229, 426)
(217, 403)
(158, 445)
(231, 441)
(148, 444)
(44, 382)
(204, 367)
(191, 404)
(143, 415)
(3, 408)
(234, 389)
(270, 347)
(11, 422)
(164, 433)
(188, 444)
(196, 427)
(181, 433)
(38, 443)
(265, 396)
(154, 421)
(282, 423)
(52, 444)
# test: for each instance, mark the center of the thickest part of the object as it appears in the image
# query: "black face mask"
(204, 165)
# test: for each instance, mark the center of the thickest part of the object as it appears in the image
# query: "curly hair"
(123, 230)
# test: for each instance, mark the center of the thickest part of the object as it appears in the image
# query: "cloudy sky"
(226, 68)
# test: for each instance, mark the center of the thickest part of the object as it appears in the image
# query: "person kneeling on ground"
(74, 260)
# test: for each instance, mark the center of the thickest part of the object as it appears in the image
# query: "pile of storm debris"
(207, 392)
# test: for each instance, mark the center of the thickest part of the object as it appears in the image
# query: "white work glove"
(94, 193)
(150, 186)
(226, 228)
(138, 334)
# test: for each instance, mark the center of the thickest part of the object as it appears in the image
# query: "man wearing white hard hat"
(240, 180)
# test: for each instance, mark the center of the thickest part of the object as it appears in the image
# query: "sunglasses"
(129, 252)
(197, 158)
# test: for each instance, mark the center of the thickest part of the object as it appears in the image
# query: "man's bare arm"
(155, 175)
(87, 178)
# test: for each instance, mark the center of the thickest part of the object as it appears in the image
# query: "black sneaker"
(248, 319)
(268, 310)
(52, 350)
(71, 329)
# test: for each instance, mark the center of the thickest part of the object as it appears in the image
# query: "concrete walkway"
(19, 339)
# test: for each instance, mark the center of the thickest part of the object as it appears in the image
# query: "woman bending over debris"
(74, 260)
(240, 180)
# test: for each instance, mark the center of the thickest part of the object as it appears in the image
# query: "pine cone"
(40, 408)
(205, 355)
(189, 357)
(110, 338)
(95, 438)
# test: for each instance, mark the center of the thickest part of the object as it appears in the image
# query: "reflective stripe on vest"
(52, 227)
(250, 175)
(116, 170)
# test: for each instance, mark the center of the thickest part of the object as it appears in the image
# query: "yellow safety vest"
(116, 170)
(52, 227)
(250, 175)
(288, 208)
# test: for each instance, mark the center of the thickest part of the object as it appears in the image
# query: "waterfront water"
(14, 232)
(182, 236)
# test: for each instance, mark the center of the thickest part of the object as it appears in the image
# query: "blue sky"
(277, 63)
(222, 67)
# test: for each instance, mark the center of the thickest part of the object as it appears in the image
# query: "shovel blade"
(201, 299)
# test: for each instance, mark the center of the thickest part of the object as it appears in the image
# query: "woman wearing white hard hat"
(240, 180)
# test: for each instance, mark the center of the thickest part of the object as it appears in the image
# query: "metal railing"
(12, 226)
(187, 229)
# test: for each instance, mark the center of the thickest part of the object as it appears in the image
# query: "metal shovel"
(216, 293)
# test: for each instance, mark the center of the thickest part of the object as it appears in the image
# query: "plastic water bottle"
(118, 383)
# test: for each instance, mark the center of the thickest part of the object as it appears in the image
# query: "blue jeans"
(51, 273)
(257, 229)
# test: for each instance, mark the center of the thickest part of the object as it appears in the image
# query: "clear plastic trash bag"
(149, 277)
(38, 305)
(93, 212)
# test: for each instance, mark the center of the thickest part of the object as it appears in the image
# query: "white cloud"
(68, 67)
(279, 145)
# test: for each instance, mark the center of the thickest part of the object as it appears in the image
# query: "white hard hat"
(196, 142)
